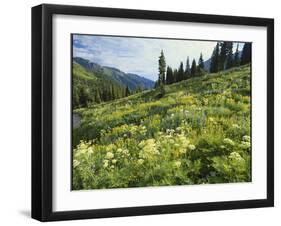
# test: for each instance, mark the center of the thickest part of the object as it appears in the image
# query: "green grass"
(198, 132)
(81, 73)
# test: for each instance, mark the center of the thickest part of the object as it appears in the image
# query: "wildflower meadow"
(196, 131)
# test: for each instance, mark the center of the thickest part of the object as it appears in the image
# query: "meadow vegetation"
(195, 131)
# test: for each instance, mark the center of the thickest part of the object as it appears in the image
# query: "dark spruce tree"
(160, 85)
(201, 62)
(84, 98)
(201, 66)
(222, 55)
(112, 93)
(127, 91)
(214, 66)
(169, 76)
(161, 68)
(175, 75)
(246, 54)
(97, 96)
(193, 68)
(236, 60)
(229, 55)
(187, 69)
(181, 72)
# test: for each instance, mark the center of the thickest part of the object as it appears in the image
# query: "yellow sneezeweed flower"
(246, 138)
(235, 156)
(148, 148)
(235, 126)
(228, 141)
(109, 155)
(140, 161)
(184, 141)
(182, 150)
(125, 151)
(245, 144)
(90, 150)
(105, 163)
(191, 147)
(81, 151)
(82, 145)
(178, 129)
(119, 150)
(75, 163)
(110, 147)
(177, 164)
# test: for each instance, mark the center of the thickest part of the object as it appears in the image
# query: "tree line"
(168, 75)
(222, 58)
(86, 92)
(94, 91)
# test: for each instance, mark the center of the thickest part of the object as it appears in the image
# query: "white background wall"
(15, 119)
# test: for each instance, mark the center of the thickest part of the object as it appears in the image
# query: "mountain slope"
(178, 94)
(81, 73)
(89, 87)
(133, 81)
(198, 132)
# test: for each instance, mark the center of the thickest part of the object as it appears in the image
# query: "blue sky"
(139, 55)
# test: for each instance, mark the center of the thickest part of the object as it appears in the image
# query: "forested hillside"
(93, 83)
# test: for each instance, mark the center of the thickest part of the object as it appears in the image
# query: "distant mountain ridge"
(133, 81)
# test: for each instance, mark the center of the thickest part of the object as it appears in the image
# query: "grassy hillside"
(198, 132)
(90, 87)
(80, 73)
(115, 75)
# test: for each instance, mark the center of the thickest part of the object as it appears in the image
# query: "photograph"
(150, 111)
(145, 112)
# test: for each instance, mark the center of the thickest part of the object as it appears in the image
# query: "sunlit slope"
(197, 132)
(221, 94)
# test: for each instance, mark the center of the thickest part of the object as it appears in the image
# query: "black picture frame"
(42, 111)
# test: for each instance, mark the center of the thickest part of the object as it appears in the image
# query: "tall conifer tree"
(181, 72)
(169, 76)
(214, 66)
(175, 75)
(201, 62)
(222, 56)
(187, 68)
(236, 56)
(127, 91)
(229, 55)
(162, 68)
(246, 54)
(193, 68)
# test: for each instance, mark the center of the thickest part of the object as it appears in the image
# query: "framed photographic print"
(145, 112)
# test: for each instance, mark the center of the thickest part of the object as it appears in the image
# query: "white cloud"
(139, 55)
